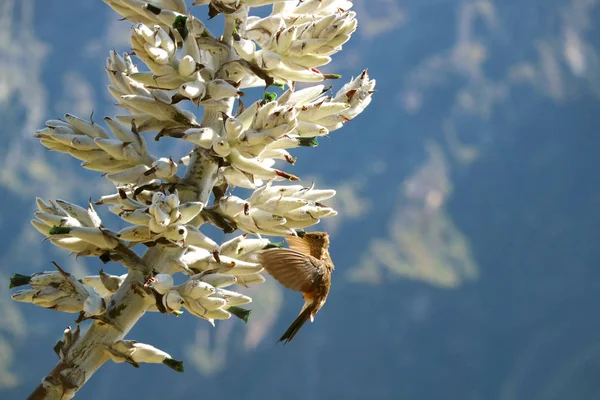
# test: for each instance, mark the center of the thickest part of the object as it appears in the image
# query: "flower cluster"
(278, 210)
(192, 72)
(73, 228)
(234, 145)
(91, 143)
(202, 295)
(150, 108)
(294, 40)
(58, 290)
(165, 218)
(187, 63)
(264, 132)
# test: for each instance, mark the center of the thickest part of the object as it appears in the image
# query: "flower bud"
(164, 168)
(195, 289)
(211, 303)
(173, 301)
(176, 233)
(219, 280)
(193, 90)
(187, 66)
(162, 283)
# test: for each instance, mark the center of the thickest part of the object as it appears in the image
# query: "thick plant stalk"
(233, 147)
(202, 172)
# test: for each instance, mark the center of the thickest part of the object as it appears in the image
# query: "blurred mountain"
(466, 255)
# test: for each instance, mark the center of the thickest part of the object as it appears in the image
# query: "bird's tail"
(297, 324)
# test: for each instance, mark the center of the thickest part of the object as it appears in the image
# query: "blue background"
(466, 249)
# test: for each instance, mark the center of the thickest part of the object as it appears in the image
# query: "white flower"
(357, 93)
(73, 227)
(165, 218)
(198, 259)
(219, 280)
(133, 352)
(89, 142)
(290, 9)
(104, 284)
(60, 291)
(172, 301)
(162, 283)
(153, 12)
(278, 210)
(195, 288)
(300, 41)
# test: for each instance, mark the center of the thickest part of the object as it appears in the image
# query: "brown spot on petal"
(215, 254)
(286, 175)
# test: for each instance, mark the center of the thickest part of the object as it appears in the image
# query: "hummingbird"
(305, 267)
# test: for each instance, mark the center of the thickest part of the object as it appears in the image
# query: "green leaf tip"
(179, 26)
(173, 364)
(268, 97)
(19, 280)
(240, 312)
(300, 233)
(274, 245)
(308, 141)
(59, 230)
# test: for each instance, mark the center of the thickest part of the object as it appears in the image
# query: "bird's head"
(318, 239)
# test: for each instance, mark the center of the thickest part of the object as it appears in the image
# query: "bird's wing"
(299, 244)
(291, 268)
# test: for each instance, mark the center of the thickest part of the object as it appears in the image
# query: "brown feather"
(291, 268)
(299, 244)
(297, 324)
